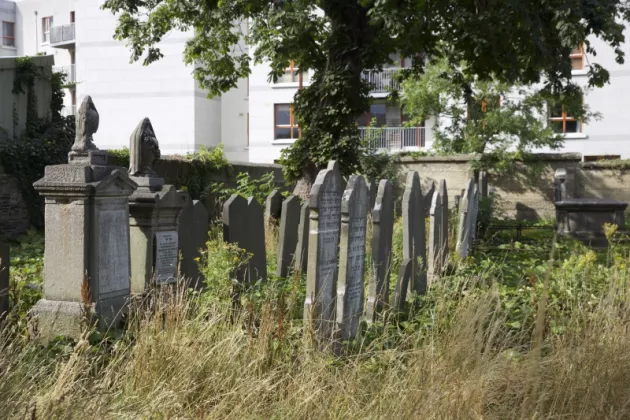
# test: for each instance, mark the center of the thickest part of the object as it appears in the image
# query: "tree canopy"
(512, 41)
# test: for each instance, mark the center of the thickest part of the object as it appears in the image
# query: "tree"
(513, 40)
(501, 121)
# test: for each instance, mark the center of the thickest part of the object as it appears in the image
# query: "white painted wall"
(8, 14)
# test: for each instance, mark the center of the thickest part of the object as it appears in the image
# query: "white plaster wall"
(234, 110)
(8, 14)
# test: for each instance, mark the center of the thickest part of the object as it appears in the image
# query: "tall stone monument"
(382, 232)
(154, 210)
(414, 241)
(325, 225)
(86, 257)
(350, 287)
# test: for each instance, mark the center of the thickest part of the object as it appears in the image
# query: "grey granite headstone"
(235, 216)
(301, 249)
(87, 239)
(273, 206)
(426, 199)
(414, 245)
(402, 284)
(463, 230)
(435, 243)
(165, 257)
(474, 212)
(483, 184)
(350, 287)
(193, 237)
(4, 280)
(372, 191)
(256, 241)
(325, 225)
(288, 237)
(445, 222)
(382, 231)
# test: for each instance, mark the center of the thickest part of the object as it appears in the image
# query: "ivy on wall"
(45, 141)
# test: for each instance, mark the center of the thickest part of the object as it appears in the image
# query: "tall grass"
(191, 355)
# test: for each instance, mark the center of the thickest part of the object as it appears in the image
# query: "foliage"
(503, 121)
(213, 156)
(374, 164)
(246, 187)
(118, 157)
(512, 40)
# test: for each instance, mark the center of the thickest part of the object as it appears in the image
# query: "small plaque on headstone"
(166, 249)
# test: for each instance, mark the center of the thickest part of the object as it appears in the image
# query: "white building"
(80, 37)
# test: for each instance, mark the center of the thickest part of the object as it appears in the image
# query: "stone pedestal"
(86, 258)
(584, 219)
(154, 210)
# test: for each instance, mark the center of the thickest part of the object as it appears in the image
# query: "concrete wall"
(9, 101)
(14, 218)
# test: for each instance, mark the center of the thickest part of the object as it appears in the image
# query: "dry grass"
(193, 362)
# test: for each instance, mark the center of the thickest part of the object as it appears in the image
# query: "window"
(46, 24)
(72, 17)
(378, 112)
(292, 74)
(285, 124)
(561, 122)
(8, 34)
(577, 58)
(476, 108)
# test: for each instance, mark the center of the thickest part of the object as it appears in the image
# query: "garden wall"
(14, 217)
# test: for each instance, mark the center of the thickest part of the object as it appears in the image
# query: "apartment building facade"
(80, 37)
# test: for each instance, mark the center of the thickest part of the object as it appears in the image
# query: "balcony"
(394, 138)
(382, 81)
(70, 71)
(62, 36)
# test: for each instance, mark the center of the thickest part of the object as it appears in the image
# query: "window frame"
(46, 33)
(564, 118)
(292, 126)
(579, 55)
(5, 37)
(292, 69)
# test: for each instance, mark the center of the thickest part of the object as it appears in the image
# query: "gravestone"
(382, 231)
(321, 276)
(256, 244)
(456, 201)
(414, 245)
(87, 238)
(4, 280)
(350, 287)
(193, 237)
(288, 238)
(402, 284)
(560, 186)
(445, 223)
(584, 219)
(435, 243)
(474, 213)
(372, 191)
(273, 206)
(426, 199)
(463, 230)
(154, 211)
(301, 249)
(235, 229)
(483, 184)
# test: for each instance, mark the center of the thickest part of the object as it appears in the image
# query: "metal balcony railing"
(70, 71)
(394, 138)
(62, 34)
(382, 81)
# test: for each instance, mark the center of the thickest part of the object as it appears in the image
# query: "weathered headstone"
(414, 245)
(154, 211)
(193, 236)
(372, 191)
(4, 280)
(288, 237)
(402, 284)
(86, 256)
(235, 221)
(435, 243)
(256, 244)
(474, 212)
(483, 184)
(382, 231)
(325, 225)
(463, 230)
(350, 287)
(273, 206)
(301, 249)
(560, 186)
(426, 199)
(445, 223)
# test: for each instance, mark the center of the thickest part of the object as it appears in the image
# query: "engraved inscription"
(166, 248)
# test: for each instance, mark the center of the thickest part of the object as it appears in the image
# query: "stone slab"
(288, 236)
(301, 252)
(165, 257)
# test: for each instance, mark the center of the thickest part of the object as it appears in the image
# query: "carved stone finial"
(144, 150)
(87, 124)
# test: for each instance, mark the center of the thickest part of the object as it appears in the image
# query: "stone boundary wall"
(14, 218)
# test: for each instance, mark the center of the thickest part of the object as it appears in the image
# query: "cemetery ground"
(514, 331)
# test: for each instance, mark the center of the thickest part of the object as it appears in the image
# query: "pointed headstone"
(288, 236)
(463, 231)
(435, 233)
(402, 284)
(323, 246)
(351, 286)
(474, 212)
(427, 197)
(445, 223)
(382, 231)
(414, 246)
(193, 237)
(273, 206)
(372, 191)
(301, 251)
(483, 184)
(256, 232)
(235, 216)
